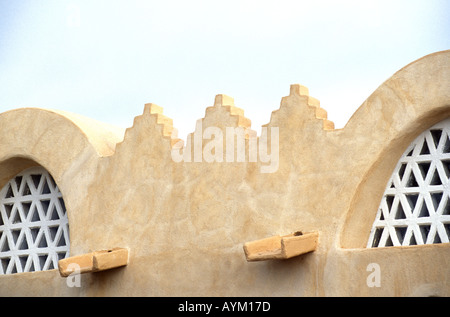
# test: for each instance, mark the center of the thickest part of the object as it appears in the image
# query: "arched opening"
(34, 227)
(356, 229)
(415, 207)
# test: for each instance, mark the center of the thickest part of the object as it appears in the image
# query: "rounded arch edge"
(69, 147)
(414, 99)
(367, 197)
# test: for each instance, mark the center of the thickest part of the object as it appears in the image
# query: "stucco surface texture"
(185, 223)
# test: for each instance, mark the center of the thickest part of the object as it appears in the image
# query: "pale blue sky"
(106, 59)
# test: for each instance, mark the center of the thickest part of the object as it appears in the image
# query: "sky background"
(106, 59)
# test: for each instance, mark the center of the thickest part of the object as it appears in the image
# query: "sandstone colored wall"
(185, 222)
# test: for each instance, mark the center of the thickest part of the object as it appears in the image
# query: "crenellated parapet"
(297, 110)
(150, 126)
(168, 131)
(224, 102)
(301, 107)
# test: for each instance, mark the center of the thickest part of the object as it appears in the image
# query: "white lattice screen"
(415, 208)
(34, 229)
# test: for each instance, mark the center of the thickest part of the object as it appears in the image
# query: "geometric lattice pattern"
(34, 229)
(415, 208)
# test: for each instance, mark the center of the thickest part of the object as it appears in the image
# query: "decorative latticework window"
(415, 208)
(34, 229)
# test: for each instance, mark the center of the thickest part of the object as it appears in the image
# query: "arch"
(415, 208)
(68, 146)
(412, 100)
(52, 139)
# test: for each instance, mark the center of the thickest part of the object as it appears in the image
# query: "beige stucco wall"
(185, 222)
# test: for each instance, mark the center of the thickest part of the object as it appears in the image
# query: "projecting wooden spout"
(281, 247)
(94, 261)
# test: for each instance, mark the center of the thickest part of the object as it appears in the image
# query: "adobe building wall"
(185, 222)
